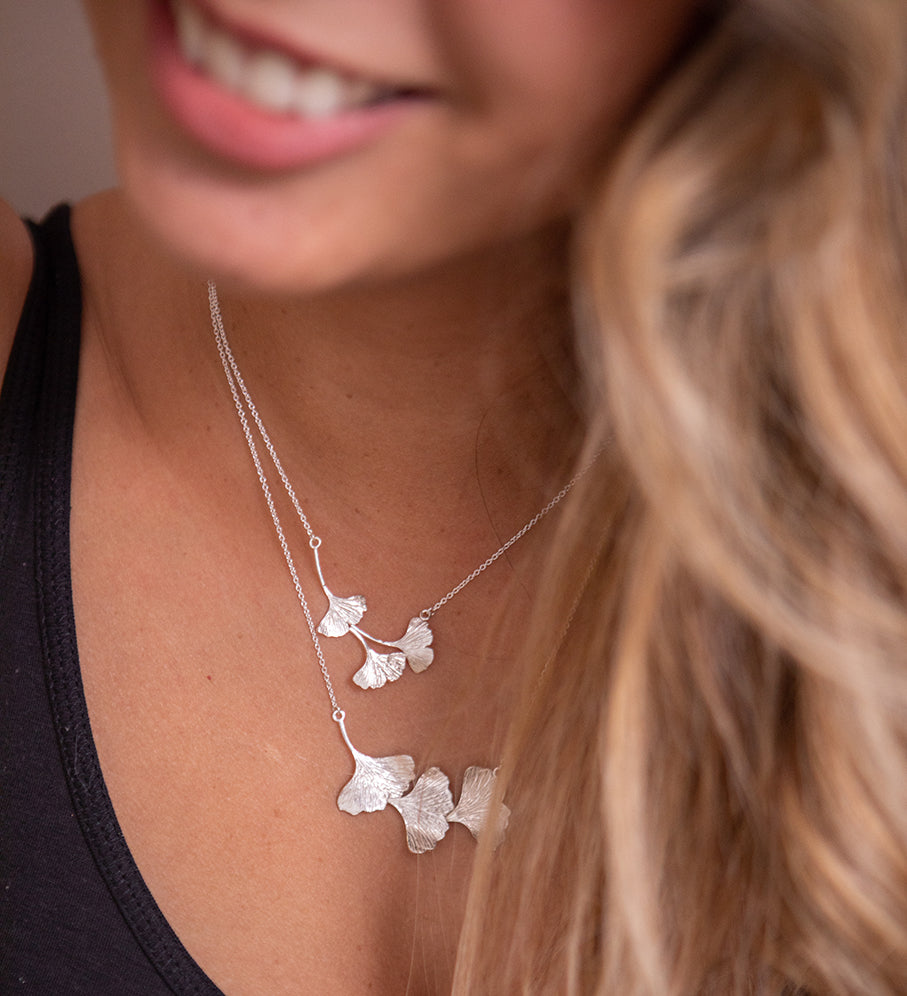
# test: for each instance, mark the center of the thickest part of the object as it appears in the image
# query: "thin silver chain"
(426, 614)
(228, 365)
(235, 378)
(238, 387)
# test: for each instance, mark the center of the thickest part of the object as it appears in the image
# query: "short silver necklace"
(427, 806)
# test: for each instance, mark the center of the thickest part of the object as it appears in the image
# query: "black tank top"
(75, 914)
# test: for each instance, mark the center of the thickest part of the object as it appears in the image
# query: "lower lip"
(245, 134)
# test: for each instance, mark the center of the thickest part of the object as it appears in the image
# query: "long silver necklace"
(427, 807)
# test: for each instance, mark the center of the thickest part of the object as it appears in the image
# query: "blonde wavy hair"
(709, 778)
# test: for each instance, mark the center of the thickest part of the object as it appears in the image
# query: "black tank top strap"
(48, 334)
(75, 913)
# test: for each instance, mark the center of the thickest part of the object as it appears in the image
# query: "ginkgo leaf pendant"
(475, 802)
(424, 810)
(378, 669)
(416, 644)
(375, 780)
(427, 809)
(342, 619)
(342, 614)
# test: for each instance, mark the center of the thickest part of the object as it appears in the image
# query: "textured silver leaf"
(425, 810)
(415, 644)
(475, 800)
(341, 614)
(376, 779)
(379, 669)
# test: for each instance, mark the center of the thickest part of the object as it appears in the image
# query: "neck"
(429, 354)
(426, 386)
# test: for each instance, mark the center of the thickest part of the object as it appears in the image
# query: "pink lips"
(248, 135)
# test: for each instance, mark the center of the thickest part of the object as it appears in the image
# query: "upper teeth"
(264, 76)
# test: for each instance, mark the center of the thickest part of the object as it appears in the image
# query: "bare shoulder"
(15, 273)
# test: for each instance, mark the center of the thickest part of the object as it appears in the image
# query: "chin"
(312, 232)
(240, 235)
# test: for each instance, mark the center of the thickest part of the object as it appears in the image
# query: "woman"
(631, 273)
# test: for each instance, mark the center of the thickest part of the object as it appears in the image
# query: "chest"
(214, 732)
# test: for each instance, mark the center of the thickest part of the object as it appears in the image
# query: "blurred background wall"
(54, 137)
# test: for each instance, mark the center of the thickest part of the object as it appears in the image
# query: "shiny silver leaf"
(415, 644)
(425, 810)
(375, 780)
(475, 801)
(341, 614)
(378, 669)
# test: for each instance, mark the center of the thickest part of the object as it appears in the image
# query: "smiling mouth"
(269, 78)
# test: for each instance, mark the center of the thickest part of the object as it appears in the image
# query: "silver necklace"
(427, 807)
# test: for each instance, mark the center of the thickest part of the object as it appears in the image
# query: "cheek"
(549, 84)
(561, 73)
